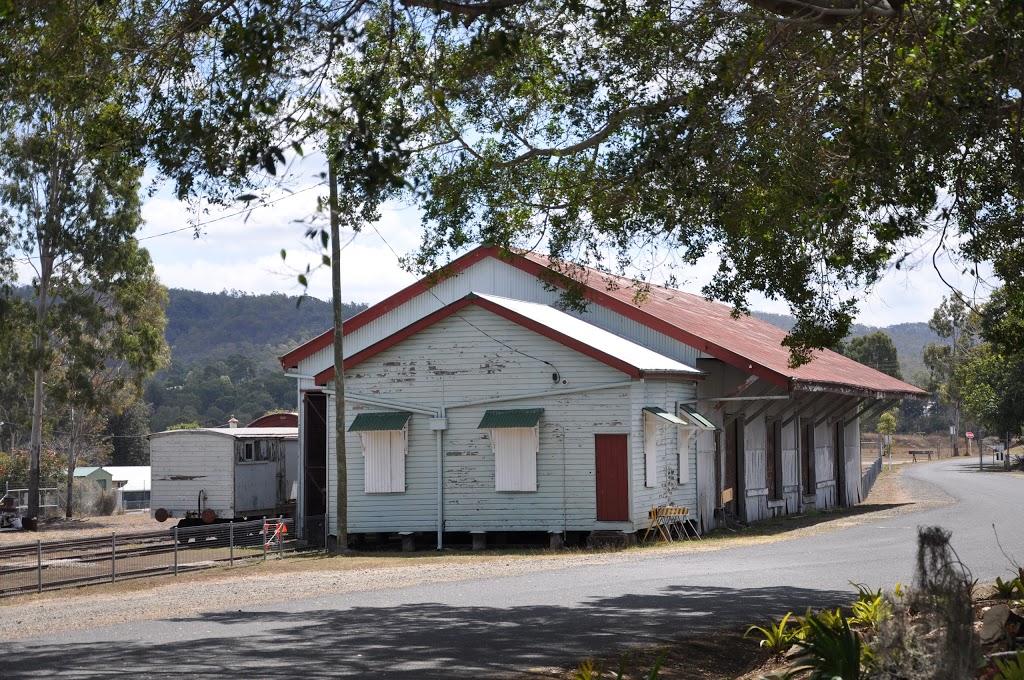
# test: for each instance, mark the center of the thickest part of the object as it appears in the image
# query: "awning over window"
(376, 422)
(664, 415)
(525, 417)
(696, 419)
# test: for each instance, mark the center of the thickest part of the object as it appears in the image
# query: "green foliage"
(211, 394)
(184, 426)
(207, 327)
(14, 467)
(776, 638)
(1008, 590)
(887, 423)
(590, 670)
(870, 608)
(127, 430)
(875, 350)
(1009, 669)
(830, 649)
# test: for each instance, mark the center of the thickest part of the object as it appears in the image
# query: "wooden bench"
(915, 454)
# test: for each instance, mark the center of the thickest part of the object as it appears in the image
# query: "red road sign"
(970, 435)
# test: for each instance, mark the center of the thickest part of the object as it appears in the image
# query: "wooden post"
(175, 551)
(113, 557)
(39, 566)
(231, 544)
(341, 492)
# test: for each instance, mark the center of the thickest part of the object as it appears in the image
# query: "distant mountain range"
(205, 327)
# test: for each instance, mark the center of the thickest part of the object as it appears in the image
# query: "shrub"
(1009, 669)
(776, 638)
(831, 649)
(1007, 590)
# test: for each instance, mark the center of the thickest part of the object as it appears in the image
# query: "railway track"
(53, 565)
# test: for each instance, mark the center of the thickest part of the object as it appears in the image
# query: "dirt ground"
(63, 529)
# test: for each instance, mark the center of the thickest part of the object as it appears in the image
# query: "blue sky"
(242, 252)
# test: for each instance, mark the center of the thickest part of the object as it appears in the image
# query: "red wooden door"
(612, 473)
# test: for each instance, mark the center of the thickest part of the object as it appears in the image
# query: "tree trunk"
(39, 345)
(341, 493)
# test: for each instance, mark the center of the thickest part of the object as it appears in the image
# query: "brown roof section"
(276, 420)
(752, 345)
(748, 343)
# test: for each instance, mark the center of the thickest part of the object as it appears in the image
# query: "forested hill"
(910, 338)
(205, 327)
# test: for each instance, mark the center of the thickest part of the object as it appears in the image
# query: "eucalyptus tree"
(108, 339)
(808, 145)
(958, 326)
(71, 160)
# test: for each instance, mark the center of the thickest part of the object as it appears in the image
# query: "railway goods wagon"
(220, 474)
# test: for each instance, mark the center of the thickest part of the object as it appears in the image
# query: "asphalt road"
(497, 627)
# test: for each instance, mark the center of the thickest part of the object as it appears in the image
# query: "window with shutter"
(515, 440)
(515, 458)
(385, 442)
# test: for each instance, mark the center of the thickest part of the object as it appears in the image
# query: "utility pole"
(341, 493)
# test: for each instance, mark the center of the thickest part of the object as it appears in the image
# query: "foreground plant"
(776, 638)
(1007, 590)
(831, 649)
(1009, 669)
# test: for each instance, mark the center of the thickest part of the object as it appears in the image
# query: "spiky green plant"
(776, 638)
(1007, 590)
(1009, 669)
(830, 649)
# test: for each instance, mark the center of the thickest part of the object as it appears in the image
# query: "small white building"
(218, 474)
(132, 483)
(473, 403)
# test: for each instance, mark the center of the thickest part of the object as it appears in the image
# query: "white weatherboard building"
(217, 474)
(473, 403)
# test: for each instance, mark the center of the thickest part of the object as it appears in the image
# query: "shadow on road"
(415, 641)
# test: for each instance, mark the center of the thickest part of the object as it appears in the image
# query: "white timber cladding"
(493, 277)
(515, 457)
(667, 440)
(384, 460)
(467, 358)
(190, 465)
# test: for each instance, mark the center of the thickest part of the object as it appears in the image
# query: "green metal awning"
(524, 417)
(664, 415)
(376, 422)
(696, 419)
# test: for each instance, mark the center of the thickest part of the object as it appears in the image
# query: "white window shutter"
(684, 454)
(384, 460)
(650, 452)
(515, 458)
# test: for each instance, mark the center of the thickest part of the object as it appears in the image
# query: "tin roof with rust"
(748, 343)
(710, 327)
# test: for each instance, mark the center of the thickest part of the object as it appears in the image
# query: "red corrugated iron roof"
(710, 327)
(748, 343)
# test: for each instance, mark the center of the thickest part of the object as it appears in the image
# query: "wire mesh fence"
(50, 565)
